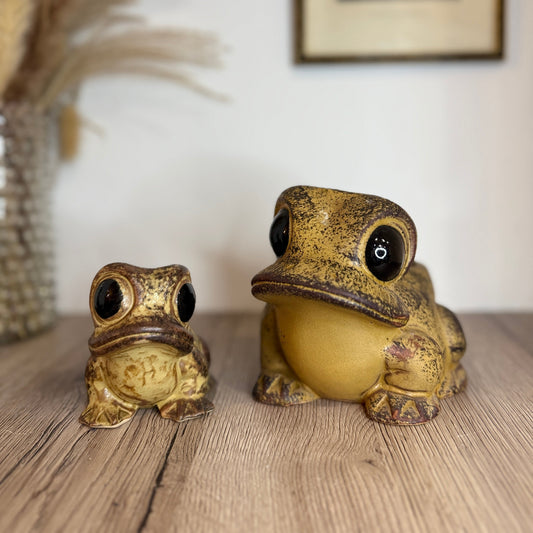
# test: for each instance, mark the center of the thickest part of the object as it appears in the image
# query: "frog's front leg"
(414, 366)
(105, 409)
(277, 383)
(189, 400)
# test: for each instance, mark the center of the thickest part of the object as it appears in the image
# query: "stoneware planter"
(27, 170)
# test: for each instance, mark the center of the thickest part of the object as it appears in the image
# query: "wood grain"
(250, 467)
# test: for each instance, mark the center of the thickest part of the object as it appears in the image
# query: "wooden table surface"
(251, 467)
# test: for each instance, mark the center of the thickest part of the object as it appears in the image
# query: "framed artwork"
(397, 30)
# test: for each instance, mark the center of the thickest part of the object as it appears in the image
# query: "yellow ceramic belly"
(335, 351)
(143, 374)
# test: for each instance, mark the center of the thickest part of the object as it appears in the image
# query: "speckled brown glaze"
(144, 354)
(332, 329)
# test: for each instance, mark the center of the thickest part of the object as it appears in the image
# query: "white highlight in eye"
(380, 252)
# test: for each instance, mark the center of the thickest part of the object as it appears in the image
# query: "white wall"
(178, 178)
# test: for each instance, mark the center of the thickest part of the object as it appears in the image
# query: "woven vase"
(28, 161)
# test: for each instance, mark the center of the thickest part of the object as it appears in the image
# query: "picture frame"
(333, 31)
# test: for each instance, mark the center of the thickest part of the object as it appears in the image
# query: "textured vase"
(28, 158)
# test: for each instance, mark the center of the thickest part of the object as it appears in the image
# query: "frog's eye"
(185, 302)
(108, 298)
(279, 232)
(385, 253)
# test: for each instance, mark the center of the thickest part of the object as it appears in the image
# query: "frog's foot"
(395, 408)
(107, 414)
(277, 389)
(181, 410)
(453, 383)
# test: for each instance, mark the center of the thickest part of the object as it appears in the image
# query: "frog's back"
(415, 289)
(437, 323)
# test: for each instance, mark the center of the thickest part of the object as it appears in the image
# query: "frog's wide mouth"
(140, 333)
(385, 306)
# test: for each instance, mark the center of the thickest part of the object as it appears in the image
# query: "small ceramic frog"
(143, 351)
(350, 316)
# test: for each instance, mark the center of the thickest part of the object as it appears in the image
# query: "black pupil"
(186, 302)
(279, 232)
(108, 298)
(385, 252)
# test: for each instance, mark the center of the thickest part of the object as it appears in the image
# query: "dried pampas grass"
(15, 20)
(58, 44)
(69, 132)
(48, 48)
(138, 51)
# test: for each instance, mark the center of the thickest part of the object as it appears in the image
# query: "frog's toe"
(281, 390)
(106, 416)
(454, 382)
(181, 410)
(394, 408)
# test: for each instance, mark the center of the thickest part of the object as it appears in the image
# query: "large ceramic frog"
(350, 316)
(143, 351)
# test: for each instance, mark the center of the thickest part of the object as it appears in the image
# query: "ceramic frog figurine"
(143, 351)
(350, 316)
